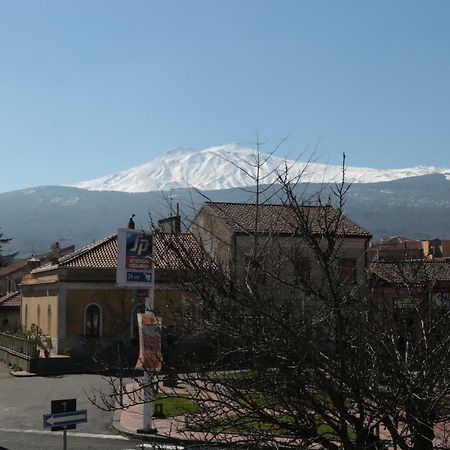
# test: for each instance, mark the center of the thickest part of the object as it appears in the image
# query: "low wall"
(62, 365)
(15, 359)
(17, 351)
(51, 366)
(23, 353)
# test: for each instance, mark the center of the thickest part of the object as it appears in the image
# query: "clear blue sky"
(88, 88)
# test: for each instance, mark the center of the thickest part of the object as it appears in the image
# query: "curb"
(142, 436)
(22, 374)
(181, 444)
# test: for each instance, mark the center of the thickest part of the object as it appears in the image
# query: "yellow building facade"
(76, 303)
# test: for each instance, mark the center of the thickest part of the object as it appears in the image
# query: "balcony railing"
(17, 345)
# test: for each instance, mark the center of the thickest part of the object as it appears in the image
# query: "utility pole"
(136, 269)
(147, 426)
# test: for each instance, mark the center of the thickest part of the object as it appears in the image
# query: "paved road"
(46, 440)
(15, 439)
(23, 402)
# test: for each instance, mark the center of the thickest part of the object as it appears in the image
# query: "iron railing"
(17, 345)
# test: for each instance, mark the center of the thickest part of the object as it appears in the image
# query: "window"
(26, 317)
(347, 270)
(302, 271)
(92, 321)
(38, 315)
(49, 320)
(134, 324)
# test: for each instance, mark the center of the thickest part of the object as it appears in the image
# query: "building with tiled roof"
(11, 275)
(102, 254)
(10, 311)
(396, 249)
(12, 299)
(405, 284)
(412, 272)
(278, 219)
(76, 301)
(10, 278)
(228, 232)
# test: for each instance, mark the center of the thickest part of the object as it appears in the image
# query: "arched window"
(134, 325)
(92, 321)
(38, 315)
(26, 317)
(49, 320)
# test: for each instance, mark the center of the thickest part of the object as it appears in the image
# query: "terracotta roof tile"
(397, 242)
(283, 219)
(11, 299)
(411, 272)
(99, 254)
(20, 264)
(172, 251)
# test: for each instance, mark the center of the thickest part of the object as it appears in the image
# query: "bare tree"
(5, 259)
(413, 349)
(296, 348)
(289, 321)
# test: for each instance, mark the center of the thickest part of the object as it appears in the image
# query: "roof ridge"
(8, 296)
(86, 249)
(171, 252)
(239, 216)
(266, 204)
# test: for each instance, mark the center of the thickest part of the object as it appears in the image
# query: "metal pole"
(148, 394)
(65, 438)
(120, 376)
(65, 429)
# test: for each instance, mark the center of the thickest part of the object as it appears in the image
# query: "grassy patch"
(235, 375)
(243, 426)
(174, 405)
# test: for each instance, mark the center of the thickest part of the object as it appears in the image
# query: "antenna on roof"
(172, 196)
(171, 202)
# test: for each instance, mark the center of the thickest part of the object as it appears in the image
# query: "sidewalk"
(130, 419)
(172, 430)
(168, 430)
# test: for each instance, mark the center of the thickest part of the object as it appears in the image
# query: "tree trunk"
(423, 437)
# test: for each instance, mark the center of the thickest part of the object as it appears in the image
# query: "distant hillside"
(416, 207)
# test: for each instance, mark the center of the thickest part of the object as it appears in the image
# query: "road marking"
(160, 446)
(69, 433)
(157, 446)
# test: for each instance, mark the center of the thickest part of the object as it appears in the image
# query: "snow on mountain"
(219, 168)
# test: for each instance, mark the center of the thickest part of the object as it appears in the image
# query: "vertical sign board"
(134, 258)
(135, 269)
(150, 355)
(62, 406)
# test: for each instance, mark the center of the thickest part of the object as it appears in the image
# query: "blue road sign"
(64, 419)
(145, 277)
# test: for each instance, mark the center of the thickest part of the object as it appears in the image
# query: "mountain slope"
(417, 207)
(218, 168)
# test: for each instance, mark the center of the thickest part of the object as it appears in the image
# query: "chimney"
(55, 253)
(171, 225)
(33, 263)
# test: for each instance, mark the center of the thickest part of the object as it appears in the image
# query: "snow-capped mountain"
(222, 167)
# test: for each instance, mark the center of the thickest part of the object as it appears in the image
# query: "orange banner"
(150, 355)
